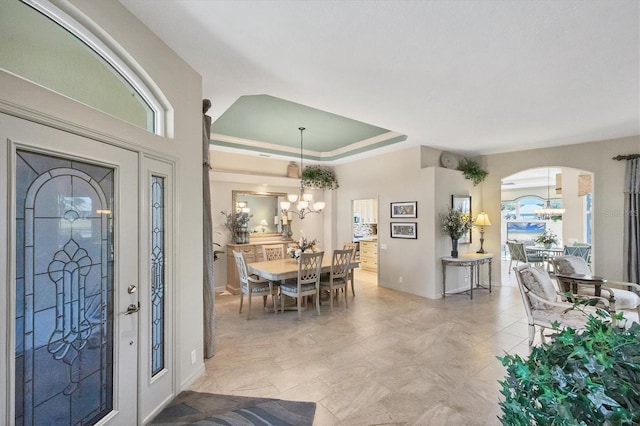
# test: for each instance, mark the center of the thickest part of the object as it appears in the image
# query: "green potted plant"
(587, 378)
(472, 171)
(547, 238)
(319, 177)
(237, 224)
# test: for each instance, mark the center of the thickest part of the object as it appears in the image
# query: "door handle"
(132, 308)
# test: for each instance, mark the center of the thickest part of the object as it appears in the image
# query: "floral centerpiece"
(547, 238)
(237, 223)
(296, 248)
(455, 223)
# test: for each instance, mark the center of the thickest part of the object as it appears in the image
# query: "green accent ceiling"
(263, 120)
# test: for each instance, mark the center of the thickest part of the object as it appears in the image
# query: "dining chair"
(308, 283)
(542, 304)
(583, 251)
(518, 254)
(273, 251)
(621, 295)
(253, 286)
(339, 276)
(351, 271)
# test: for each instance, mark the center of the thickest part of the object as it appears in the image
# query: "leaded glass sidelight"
(157, 274)
(64, 290)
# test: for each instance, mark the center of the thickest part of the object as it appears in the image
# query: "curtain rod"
(626, 157)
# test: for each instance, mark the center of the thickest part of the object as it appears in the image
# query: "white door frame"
(155, 163)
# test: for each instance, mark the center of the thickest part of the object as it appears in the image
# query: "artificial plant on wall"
(319, 177)
(472, 171)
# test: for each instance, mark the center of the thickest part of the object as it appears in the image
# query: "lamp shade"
(482, 220)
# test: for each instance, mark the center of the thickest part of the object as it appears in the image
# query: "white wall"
(24, 99)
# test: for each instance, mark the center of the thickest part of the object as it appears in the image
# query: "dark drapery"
(207, 240)
(632, 220)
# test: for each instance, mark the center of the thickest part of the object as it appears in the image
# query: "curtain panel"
(208, 290)
(632, 220)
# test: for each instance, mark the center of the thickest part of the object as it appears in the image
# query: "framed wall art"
(463, 203)
(407, 230)
(407, 209)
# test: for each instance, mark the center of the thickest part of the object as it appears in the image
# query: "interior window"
(65, 57)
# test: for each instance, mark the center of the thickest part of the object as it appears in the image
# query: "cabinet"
(369, 255)
(252, 253)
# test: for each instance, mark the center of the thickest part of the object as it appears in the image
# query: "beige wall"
(27, 100)
(413, 175)
(406, 175)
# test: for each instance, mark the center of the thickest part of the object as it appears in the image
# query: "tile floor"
(391, 358)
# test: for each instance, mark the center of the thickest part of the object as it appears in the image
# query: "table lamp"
(482, 220)
(264, 224)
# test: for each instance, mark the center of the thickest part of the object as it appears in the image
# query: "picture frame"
(405, 209)
(407, 230)
(463, 203)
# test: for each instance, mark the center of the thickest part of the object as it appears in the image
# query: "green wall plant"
(319, 177)
(472, 171)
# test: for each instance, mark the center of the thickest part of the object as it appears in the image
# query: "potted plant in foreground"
(586, 378)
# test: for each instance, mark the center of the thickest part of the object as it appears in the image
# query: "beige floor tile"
(390, 358)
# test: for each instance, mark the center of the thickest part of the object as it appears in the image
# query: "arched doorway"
(527, 194)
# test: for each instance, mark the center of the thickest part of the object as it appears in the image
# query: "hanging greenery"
(319, 177)
(472, 171)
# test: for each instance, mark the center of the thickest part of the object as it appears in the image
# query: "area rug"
(197, 408)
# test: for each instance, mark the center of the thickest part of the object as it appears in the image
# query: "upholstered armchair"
(622, 296)
(542, 303)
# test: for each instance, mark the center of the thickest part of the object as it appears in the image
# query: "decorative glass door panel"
(157, 275)
(64, 354)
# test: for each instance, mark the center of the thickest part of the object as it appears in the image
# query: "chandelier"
(303, 202)
(547, 212)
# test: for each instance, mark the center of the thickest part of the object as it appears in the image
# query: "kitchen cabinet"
(369, 255)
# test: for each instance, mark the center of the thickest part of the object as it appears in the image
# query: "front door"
(75, 226)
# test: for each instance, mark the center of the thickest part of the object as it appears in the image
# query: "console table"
(473, 261)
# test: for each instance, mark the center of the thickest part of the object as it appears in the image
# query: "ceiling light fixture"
(547, 212)
(304, 201)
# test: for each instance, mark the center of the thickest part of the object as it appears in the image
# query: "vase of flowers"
(455, 223)
(547, 238)
(296, 248)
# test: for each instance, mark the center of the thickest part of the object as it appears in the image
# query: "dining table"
(287, 268)
(545, 252)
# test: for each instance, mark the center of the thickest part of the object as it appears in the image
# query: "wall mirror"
(264, 208)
